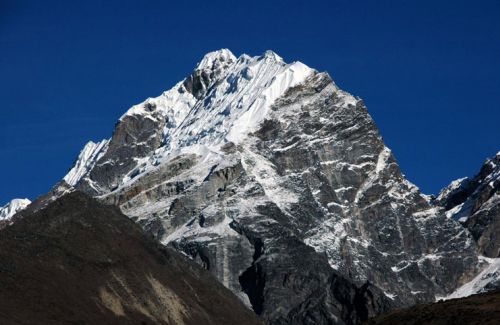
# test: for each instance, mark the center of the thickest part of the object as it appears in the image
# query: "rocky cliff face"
(79, 262)
(475, 202)
(279, 183)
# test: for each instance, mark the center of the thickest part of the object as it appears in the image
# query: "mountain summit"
(279, 183)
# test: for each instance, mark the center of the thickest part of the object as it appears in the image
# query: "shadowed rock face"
(77, 261)
(475, 202)
(305, 215)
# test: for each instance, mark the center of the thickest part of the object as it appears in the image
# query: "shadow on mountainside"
(80, 262)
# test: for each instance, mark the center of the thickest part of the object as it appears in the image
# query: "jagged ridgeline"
(279, 183)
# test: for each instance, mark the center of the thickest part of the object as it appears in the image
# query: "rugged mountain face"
(475, 202)
(279, 183)
(77, 261)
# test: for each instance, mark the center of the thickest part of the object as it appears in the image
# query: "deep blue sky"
(429, 72)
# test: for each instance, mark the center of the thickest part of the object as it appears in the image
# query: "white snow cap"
(237, 100)
(13, 207)
(212, 58)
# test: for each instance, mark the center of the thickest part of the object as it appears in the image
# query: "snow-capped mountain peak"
(13, 207)
(257, 168)
(222, 100)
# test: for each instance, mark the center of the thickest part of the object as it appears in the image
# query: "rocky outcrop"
(80, 262)
(475, 202)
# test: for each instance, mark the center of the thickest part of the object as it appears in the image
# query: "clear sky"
(429, 72)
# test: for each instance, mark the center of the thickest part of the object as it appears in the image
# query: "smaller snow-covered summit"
(85, 161)
(475, 202)
(13, 207)
(464, 196)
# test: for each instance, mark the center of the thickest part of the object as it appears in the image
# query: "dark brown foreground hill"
(482, 309)
(80, 262)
